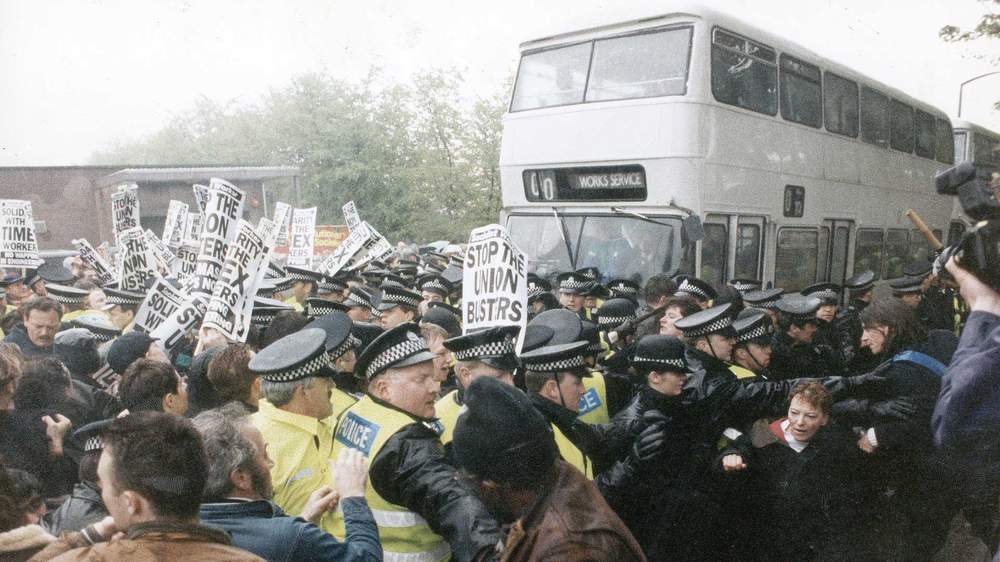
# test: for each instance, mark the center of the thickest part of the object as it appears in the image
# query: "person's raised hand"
(733, 463)
(322, 500)
(56, 429)
(977, 294)
(349, 473)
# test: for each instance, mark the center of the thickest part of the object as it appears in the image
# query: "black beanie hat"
(501, 437)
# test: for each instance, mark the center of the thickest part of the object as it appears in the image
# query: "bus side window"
(748, 245)
(896, 252)
(902, 127)
(744, 73)
(920, 250)
(713, 254)
(840, 105)
(868, 251)
(796, 257)
(801, 99)
(926, 135)
(945, 144)
(874, 117)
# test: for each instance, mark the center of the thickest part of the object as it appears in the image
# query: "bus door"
(733, 247)
(835, 238)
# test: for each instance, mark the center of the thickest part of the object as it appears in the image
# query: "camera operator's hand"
(977, 294)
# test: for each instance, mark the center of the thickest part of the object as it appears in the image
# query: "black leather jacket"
(411, 470)
(83, 507)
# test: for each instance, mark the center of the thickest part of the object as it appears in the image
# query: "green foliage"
(987, 28)
(420, 162)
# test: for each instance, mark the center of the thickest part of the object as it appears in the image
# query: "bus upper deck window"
(744, 73)
(552, 77)
(948, 150)
(801, 99)
(840, 105)
(874, 117)
(901, 129)
(926, 136)
(640, 66)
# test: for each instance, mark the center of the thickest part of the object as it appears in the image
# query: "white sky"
(78, 75)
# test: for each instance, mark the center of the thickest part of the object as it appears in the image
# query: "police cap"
(494, 347)
(715, 320)
(294, 357)
(557, 358)
(753, 326)
(615, 312)
(697, 288)
(572, 283)
(442, 318)
(829, 293)
(799, 308)
(565, 325)
(623, 288)
(65, 294)
(400, 346)
(861, 281)
(907, 285)
(393, 296)
(339, 339)
(744, 284)
(767, 298)
(303, 274)
(660, 353)
(317, 306)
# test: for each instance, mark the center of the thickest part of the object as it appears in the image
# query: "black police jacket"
(83, 507)
(790, 360)
(411, 470)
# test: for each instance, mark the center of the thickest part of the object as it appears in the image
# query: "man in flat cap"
(505, 448)
(294, 419)
(487, 353)
(422, 510)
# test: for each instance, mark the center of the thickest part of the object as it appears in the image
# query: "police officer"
(554, 376)
(318, 306)
(860, 290)
(359, 304)
(398, 306)
(572, 286)
(910, 290)
(699, 290)
(340, 345)
(794, 355)
(540, 297)
(745, 285)
(331, 288)
(487, 353)
(122, 306)
(422, 509)
(752, 348)
(765, 300)
(304, 284)
(828, 338)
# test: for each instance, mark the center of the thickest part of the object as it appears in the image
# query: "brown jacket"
(153, 541)
(571, 523)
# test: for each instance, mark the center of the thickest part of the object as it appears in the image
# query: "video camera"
(978, 251)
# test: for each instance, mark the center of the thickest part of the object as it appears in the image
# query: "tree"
(420, 162)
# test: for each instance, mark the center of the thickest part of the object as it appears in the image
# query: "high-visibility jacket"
(572, 454)
(447, 409)
(593, 407)
(294, 302)
(341, 401)
(741, 372)
(405, 536)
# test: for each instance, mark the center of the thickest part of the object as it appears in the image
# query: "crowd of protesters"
(673, 419)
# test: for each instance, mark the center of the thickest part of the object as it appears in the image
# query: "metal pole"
(973, 79)
(298, 191)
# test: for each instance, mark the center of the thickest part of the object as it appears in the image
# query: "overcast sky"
(79, 75)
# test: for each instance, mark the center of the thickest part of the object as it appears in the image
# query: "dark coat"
(263, 529)
(411, 470)
(792, 360)
(83, 507)
(801, 503)
(19, 337)
(570, 521)
(25, 445)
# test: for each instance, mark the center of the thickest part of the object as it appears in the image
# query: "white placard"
(219, 227)
(283, 219)
(173, 227)
(162, 301)
(302, 238)
(105, 274)
(187, 256)
(201, 196)
(351, 216)
(164, 257)
(171, 332)
(341, 256)
(232, 300)
(18, 246)
(125, 208)
(137, 262)
(494, 281)
(192, 226)
(376, 247)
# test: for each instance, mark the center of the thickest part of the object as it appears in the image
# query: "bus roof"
(686, 10)
(971, 126)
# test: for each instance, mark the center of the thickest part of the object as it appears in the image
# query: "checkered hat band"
(625, 290)
(770, 304)
(350, 343)
(710, 328)
(758, 332)
(64, 299)
(555, 366)
(296, 276)
(689, 288)
(307, 369)
(393, 283)
(434, 284)
(115, 299)
(321, 309)
(102, 336)
(92, 444)
(491, 349)
(395, 354)
(401, 299)
(677, 363)
(825, 295)
(744, 286)
(535, 291)
(355, 300)
(573, 284)
(605, 321)
(331, 287)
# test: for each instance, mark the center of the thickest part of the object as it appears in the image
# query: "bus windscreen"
(618, 246)
(642, 65)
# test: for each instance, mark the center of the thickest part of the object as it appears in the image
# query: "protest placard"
(137, 262)
(18, 246)
(105, 274)
(232, 299)
(302, 237)
(283, 219)
(222, 212)
(351, 216)
(187, 256)
(173, 226)
(268, 230)
(201, 196)
(160, 303)
(494, 281)
(376, 247)
(192, 226)
(172, 330)
(125, 208)
(164, 257)
(342, 256)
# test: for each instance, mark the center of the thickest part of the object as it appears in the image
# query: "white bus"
(981, 146)
(800, 169)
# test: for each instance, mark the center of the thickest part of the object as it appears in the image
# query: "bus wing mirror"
(693, 229)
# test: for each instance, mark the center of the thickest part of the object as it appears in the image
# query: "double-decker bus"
(981, 146)
(623, 143)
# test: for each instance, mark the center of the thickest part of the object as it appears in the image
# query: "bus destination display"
(604, 183)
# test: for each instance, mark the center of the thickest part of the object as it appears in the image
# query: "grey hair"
(225, 446)
(281, 393)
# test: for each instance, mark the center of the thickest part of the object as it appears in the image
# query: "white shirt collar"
(794, 443)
